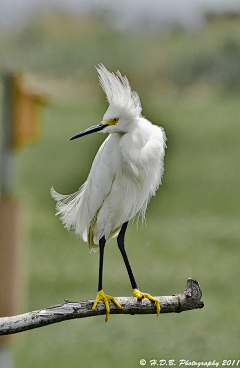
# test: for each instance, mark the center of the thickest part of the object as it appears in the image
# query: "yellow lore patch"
(111, 121)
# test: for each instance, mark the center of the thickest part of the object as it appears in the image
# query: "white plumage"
(125, 173)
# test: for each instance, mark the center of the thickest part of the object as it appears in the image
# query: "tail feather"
(68, 207)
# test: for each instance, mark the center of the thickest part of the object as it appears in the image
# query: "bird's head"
(124, 104)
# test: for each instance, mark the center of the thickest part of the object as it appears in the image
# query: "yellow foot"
(102, 296)
(138, 294)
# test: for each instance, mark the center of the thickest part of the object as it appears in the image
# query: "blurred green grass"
(192, 224)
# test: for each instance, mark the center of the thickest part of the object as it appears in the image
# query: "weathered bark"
(190, 298)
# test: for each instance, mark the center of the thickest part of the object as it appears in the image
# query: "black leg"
(100, 294)
(102, 243)
(120, 241)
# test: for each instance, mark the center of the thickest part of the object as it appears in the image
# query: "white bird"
(125, 174)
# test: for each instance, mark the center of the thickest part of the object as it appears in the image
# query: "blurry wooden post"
(9, 255)
(6, 154)
(19, 124)
(9, 216)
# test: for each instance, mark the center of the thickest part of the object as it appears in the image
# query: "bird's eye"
(115, 120)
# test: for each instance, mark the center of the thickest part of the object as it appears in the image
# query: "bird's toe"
(102, 296)
(138, 294)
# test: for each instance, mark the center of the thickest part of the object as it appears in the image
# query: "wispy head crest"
(118, 90)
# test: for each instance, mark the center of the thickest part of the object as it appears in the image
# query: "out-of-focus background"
(183, 58)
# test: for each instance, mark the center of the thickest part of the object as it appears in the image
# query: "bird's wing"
(100, 178)
(78, 211)
(99, 185)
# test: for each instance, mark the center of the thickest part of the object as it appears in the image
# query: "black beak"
(92, 129)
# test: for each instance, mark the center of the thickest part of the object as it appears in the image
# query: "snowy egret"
(125, 174)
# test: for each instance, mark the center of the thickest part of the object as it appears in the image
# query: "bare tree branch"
(190, 298)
